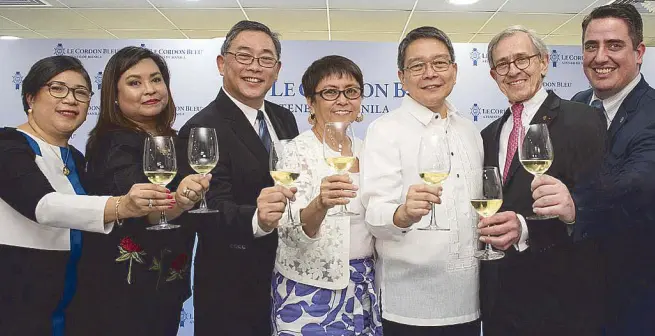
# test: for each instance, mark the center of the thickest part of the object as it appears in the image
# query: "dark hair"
(43, 70)
(626, 12)
(111, 117)
(329, 66)
(421, 33)
(246, 25)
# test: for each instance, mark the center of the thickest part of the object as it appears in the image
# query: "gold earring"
(360, 117)
(311, 119)
(29, 110)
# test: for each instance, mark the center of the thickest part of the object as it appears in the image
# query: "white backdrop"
(195, 80)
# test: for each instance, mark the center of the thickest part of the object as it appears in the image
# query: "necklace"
(64, 169)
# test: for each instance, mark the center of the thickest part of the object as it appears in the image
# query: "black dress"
(38, 267)
(140, 278)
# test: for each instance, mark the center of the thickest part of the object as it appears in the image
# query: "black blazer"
(529, 293)
(233, 269)
(617, 210)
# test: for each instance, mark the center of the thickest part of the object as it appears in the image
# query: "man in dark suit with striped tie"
(236, 247)
(615, 206)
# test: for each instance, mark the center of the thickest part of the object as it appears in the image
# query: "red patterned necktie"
(513, 143)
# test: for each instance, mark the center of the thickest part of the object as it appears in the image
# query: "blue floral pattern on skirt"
(300, 309)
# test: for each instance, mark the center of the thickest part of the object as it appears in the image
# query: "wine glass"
(203, 157)
(160, 167)
(434, 165)
(487, 201)
(536, 155)
(285, 169)
(339, 153)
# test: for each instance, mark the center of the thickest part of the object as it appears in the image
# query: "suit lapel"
(545, 115)
(626, 109)
(241, 127)
(494, 161)
(276, 122)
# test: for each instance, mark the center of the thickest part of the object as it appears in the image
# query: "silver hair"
(537, 42)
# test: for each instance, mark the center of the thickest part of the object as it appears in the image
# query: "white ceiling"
(352, 20)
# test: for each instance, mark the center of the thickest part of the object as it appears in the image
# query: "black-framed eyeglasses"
(60, 90)
(247, 59)
(333, 94)
(521, 63)
(419, 68)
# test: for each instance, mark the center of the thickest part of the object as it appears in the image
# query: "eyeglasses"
(333, 94)
(438, 65)
(247, 59)
(521, 63)
(60, 90)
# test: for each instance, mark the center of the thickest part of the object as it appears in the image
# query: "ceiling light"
(7, 37)
(463, 2)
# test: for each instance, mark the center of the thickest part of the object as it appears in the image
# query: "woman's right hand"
(136, 202)
(335, 190)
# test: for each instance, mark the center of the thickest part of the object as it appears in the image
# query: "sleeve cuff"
(55, 209)
(522, 244)
(380, 221)
(256, 230)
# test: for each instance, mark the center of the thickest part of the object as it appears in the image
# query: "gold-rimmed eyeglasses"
(247, 59)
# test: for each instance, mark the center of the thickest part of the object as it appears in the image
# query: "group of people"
(78, 260)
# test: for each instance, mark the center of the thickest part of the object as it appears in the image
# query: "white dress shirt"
(530, 108)
(612, 104)
(251, 114)
(425, 278)
(323, 260)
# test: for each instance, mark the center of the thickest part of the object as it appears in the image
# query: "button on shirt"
(425, 278)
(251, 114)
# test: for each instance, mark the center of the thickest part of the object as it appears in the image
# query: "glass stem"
(433, 218)
(289, 212)
(203, 201)
(162, 218)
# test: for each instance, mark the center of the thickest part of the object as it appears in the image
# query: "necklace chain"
(64, 169)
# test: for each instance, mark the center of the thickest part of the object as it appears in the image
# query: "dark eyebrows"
(135, 76)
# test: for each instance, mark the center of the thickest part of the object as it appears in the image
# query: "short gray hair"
(537, 42)
(421, 33)
(246, 25)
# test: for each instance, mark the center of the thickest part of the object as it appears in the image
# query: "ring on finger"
(186, 192)
(150, 203)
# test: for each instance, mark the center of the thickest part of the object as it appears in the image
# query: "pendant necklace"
(64, 169)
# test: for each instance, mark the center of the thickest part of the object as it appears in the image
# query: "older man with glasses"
(531, 291)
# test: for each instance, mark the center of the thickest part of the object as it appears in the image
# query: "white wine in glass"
(434, 165)
(536, 155)
(160, 167)
(203, 156)
(487, 201)
(284, 168)
(339, 154)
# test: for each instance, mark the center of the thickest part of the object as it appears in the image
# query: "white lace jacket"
(321, 261)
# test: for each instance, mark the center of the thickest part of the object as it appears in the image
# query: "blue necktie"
(264, 135)
(598, 104)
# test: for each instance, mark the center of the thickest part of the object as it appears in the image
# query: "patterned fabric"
(513, 144)
(264, 135)
(300, 309)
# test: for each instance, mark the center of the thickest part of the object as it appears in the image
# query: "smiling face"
(610, 59)
(341, 109)
(430, 88)
(249, 83)
(59, 117)
(519, 85)
(142, 93)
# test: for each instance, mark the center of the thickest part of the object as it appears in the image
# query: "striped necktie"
(263, 133)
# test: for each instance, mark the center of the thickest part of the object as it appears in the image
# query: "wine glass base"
(433, 228)
(540, 217)
(489, 255)
(201, 211)
(343, 214)
(165, 226)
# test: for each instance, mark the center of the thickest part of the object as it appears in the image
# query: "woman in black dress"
(43, 205)
(141, 278)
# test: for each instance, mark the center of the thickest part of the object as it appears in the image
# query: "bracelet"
(118, 221)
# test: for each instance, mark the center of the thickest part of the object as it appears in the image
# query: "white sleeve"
(522, 244)
(80, 212)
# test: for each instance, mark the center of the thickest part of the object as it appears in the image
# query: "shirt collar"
(423, 114)
(532, 105)
(250, 112)
(612, 103)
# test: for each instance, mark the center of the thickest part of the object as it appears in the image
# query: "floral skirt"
(300, 309)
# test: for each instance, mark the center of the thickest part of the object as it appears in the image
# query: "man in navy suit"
(615, 206)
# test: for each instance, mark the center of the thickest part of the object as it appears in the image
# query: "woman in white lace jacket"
(323, 278)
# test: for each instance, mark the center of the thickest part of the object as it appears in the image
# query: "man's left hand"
(501, 230)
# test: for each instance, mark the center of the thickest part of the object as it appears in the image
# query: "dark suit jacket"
(531, 293)
(616, 208)
(233, 269)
